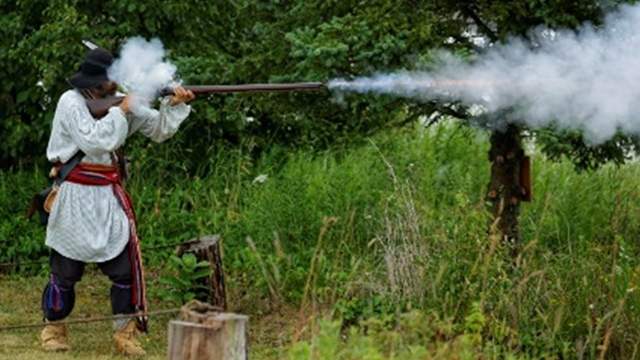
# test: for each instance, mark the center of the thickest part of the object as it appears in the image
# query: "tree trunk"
(213, 287)
(506, 190)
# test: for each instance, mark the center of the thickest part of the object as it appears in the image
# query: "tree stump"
(208, 248)
(205, 334)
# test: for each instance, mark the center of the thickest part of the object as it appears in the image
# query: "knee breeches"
(58, 297)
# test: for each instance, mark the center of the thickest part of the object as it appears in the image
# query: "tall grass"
(368, 234)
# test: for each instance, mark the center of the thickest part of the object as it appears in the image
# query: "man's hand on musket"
(181, 95)
(125, 105)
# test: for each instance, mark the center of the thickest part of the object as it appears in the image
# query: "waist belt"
(92, 174)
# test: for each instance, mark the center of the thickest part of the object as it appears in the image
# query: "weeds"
(408, 269)
(184, 284)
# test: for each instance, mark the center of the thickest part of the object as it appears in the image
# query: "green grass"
(20, 304)
(396, 226)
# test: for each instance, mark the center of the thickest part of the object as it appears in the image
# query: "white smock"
(86, 222)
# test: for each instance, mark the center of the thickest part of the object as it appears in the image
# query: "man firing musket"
(92, 219)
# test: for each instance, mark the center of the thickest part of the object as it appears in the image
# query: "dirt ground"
(270, 330)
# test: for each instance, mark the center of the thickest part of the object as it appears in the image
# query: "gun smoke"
(142, 70)
(587, 79)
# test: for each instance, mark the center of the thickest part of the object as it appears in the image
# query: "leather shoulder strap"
(66, 168)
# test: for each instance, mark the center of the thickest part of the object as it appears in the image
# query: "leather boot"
(54, 338)
(126, 342)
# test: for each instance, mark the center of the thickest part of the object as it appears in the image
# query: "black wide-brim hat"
(93, 70)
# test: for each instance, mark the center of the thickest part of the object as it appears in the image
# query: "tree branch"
(484, 28)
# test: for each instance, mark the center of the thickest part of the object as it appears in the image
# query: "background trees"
(269, 41)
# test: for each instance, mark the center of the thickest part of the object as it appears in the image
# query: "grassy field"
(21, 304)
(270, 332)
(374, 252)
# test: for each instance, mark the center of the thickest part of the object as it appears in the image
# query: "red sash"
(91, 174)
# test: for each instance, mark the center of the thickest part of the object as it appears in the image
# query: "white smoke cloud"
(142, 69)
(588, 80)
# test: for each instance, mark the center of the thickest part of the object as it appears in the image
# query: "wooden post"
(204, 334)
(209, 248)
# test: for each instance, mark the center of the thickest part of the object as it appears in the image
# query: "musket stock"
(100, 107)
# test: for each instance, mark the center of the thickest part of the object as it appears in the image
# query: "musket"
(100, 107)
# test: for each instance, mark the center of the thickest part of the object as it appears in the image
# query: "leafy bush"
(20, 240)
(184, 285)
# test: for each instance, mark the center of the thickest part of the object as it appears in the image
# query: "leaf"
(175, 282)
(203, 263)
(176, 260)
(23, 96)
(189, 260)
(175, 297)
(201, 274)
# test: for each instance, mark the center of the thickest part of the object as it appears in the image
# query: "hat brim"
(83, 81)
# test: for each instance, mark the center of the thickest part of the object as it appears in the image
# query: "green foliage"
(570, 144)
(252, 41)
(20, 240)
(184, 285)
(41, 48)
(475, 322)
(295, 41)
(410, 235)
(260, 41)
(414, 335)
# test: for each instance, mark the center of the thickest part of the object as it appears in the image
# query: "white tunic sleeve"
(159, 125)
(91, 136)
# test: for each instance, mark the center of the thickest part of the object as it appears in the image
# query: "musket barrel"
(247, 88)
(100, 107)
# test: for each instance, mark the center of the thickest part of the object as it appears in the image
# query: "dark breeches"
(58, 297)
